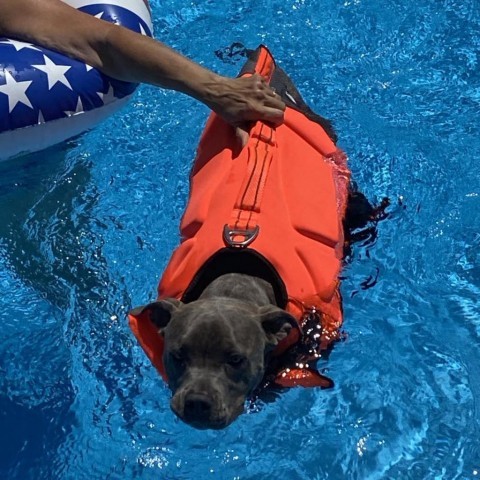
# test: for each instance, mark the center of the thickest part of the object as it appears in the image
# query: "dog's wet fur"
(216, 347)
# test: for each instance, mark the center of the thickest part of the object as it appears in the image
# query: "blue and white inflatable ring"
(46, 98)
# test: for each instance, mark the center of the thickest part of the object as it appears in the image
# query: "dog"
(251, 296)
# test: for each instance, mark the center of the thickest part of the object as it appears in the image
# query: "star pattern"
(38, 85)
(55, 73)
(19, 45)
(108, 97)
(78, 109)
(15, 91)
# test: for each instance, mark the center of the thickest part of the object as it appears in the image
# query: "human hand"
(241, 101)
(247, 99)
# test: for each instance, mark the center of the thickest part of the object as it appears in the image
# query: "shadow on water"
(46, 201)
(35, 388)
(60, 322)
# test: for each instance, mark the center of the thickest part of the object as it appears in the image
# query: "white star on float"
(78, 109)
(40, 118)
(99, 15)
(19, 45)
(55, 73)
(15, 91)
(108, 97)
(142, 30)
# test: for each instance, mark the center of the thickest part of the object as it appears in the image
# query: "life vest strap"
(243, 228)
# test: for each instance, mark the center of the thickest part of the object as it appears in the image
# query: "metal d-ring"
(229, 235)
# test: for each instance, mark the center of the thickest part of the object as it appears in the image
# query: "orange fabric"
(291, 184)
(148, 337)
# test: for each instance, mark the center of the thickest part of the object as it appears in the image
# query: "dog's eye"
(178, 357)
(236, 361)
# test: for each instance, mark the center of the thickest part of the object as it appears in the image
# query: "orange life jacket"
(275, 210)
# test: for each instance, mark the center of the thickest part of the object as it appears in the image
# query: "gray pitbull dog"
(217, 347)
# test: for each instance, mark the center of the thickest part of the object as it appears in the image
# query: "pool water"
(86, 229)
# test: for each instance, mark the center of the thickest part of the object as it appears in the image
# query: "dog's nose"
(197, 407)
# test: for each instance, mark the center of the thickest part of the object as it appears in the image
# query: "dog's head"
(214, 354)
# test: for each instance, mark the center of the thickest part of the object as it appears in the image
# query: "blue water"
(86, 229)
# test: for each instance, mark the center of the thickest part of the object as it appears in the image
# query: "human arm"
(126, 55)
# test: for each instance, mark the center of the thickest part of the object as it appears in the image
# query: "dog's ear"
(276, 323)
(160, 312)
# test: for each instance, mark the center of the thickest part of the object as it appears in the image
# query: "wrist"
(207, 88)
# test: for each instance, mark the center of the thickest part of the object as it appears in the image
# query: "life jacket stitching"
(262, 181)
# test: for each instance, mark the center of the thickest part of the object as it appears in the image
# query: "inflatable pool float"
(47, 98)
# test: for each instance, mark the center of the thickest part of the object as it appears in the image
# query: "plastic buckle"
(229, 235)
